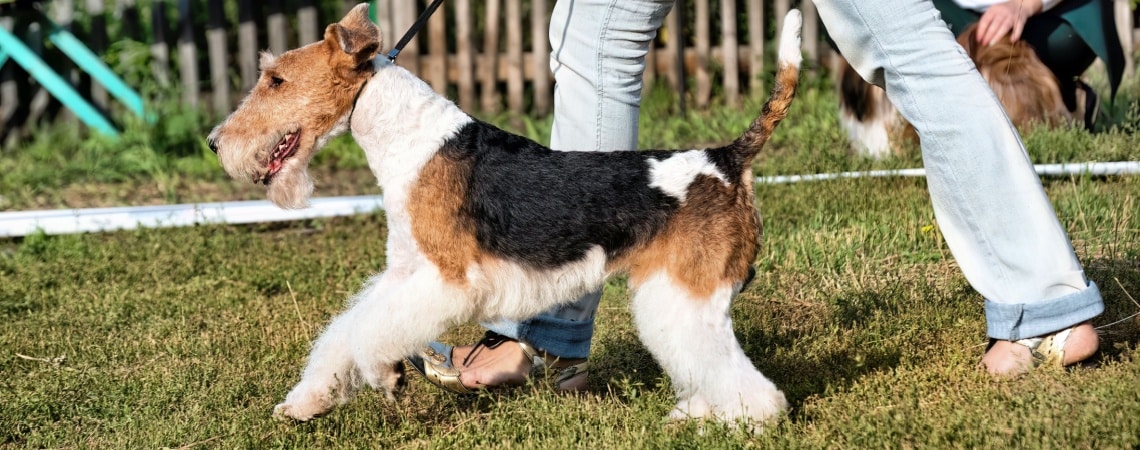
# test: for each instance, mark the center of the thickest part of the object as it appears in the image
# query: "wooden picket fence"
(486, 54)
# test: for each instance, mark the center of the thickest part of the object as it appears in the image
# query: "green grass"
(188, 337)
(169, 337)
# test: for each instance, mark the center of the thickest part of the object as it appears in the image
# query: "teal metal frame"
(11, 47)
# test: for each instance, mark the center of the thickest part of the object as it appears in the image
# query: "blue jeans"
(989, 203)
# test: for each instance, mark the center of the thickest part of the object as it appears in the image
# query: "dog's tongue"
(275, 166)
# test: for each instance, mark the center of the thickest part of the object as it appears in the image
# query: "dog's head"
(303, 98)
(1027, 89)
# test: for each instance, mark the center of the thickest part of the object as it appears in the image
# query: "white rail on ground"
(1053, 170)
(65, 221)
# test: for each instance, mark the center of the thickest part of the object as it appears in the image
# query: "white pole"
(1055, 170)
(65, 221)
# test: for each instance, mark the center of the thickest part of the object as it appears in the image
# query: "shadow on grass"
(862, 332)
(848, 336)
(1119, 282)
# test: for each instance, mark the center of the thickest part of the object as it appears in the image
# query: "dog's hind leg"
(692, 338)
(390, 318)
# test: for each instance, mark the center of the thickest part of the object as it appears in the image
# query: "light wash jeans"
(987, 199)
(598, 58)
(989, 203)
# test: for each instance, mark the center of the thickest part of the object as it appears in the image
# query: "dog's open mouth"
(285, 148)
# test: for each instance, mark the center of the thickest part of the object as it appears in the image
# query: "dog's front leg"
(331, 375)
(367, 343)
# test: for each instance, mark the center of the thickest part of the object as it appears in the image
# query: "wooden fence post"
(247, 44)
(810, 31)
(97, 42)
(437, 50)
(464, 54)
(308, 24)
(187, 54)
(701, 29)
(62, 12)
(159, 49)
(384, 20)
(782, 7)
(9, 92)
(275, 26)
(675, 46)
(505, 55)
(540, 49)
(128, 11)
(514, 56)
(756, 45)
(218, 55)
(404, 14)
(729, 45)
(489, 69)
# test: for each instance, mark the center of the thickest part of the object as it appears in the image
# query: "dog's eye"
(275, 81)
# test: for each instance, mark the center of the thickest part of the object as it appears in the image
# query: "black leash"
(416, 27)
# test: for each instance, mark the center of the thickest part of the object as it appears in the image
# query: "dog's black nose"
(213, 143)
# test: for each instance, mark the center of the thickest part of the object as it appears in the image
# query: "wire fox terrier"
(485, 225)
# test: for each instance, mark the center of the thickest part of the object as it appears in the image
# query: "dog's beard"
(291, 188)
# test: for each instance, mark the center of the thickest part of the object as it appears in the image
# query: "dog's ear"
(355, 35)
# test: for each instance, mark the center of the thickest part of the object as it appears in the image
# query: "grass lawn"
(186, 338)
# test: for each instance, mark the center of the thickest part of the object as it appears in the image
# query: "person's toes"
(503, 365)
(1006, 359)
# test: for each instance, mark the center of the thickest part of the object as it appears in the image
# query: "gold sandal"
(435, 364)
(546, 366)
(1047, 350)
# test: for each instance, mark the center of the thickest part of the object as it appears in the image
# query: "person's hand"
(1006, 18)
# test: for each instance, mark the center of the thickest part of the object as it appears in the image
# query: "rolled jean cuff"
(560, 337)
(1011, 322)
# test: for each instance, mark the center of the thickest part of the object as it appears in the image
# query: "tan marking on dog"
(709, 243)
(443, 232)
(860, 97)
(775, 109)
(712, 239)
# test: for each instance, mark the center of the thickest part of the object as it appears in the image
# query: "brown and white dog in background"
(1028, 91)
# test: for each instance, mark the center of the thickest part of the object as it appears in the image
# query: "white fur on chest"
(400, 123)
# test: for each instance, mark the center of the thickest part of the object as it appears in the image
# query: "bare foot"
(1007, 359)
(503, 365)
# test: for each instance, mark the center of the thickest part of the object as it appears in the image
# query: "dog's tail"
(776, 108)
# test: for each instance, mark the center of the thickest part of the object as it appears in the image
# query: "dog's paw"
(756, 409)
(753, 409)
(302, 407)
(289, 413)
(693, 407)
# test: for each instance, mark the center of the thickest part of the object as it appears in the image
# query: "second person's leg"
(598, 57)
